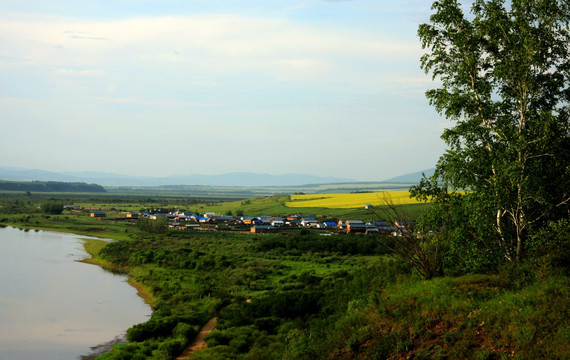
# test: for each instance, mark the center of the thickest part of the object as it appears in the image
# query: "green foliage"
(163, 326)
(53, 208)
(506, 86)
(343, 245)
(469, 317)
(154, 226)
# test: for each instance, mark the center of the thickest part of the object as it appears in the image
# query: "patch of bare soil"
(199, 342)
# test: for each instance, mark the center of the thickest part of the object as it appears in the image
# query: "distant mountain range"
(230, 179)
(109, 179)
(412, 178)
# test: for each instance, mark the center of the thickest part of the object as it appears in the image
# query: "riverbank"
(53, 307)
(93, 247)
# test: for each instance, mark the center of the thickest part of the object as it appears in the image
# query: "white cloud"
(210, 43)
(225, 82)
(72, 72)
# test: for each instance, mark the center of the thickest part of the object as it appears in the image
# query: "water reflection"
(54, 307)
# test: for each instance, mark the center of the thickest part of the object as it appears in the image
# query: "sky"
(160, 88)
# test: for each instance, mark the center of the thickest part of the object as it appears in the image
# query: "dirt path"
(199, 343)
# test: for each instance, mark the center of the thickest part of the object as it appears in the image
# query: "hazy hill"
(411, 178)
(50, 186)
(110, 179)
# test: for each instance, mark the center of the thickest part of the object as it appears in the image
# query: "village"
(209, 221)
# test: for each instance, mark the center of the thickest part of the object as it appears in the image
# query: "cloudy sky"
(157, 88)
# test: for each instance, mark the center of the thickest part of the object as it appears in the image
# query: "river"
(54, 307)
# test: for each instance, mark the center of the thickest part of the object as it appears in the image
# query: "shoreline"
(93, 259)
(92, 245)
(142, 290)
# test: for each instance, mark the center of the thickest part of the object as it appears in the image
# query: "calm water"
(53, 307)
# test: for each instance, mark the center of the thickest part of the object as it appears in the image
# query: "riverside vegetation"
(300, 295)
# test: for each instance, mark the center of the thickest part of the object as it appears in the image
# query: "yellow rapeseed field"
(348, 201)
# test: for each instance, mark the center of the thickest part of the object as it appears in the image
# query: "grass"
(93, 246)
(466, 317)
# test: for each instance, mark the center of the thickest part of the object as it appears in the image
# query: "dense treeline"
(50, 186)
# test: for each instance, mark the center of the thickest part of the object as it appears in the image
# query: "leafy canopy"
(504, 74)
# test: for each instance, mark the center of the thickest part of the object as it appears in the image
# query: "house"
(278, 222)
(383, 227)
(257, 229)
(98, 214)
(349, 222)
(360, 228)
(221, 219)
(354, 222)
(307, 222)
(133, 215)
(72, 207)
(247, 220)
(195, 217)
(294, 217)
(266, 220)
(293, 223)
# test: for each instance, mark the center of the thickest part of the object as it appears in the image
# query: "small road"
(199, 343)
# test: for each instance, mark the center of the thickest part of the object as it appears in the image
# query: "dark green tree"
(504, 74)
(52, 207)
(153, 226)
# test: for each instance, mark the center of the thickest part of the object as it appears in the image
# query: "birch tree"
(504, 83)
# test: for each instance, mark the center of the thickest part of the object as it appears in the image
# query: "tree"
(52, 207)
(505, 84)
(154, 226)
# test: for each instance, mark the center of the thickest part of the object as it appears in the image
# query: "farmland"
(352, 200)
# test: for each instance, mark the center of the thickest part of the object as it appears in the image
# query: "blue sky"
(158, 88)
